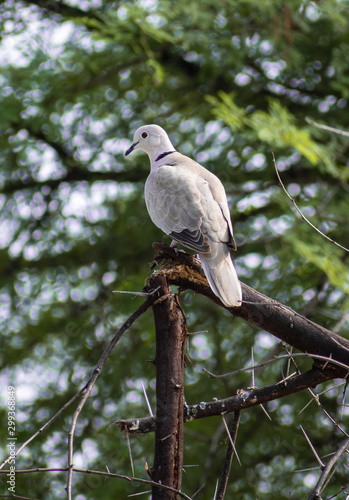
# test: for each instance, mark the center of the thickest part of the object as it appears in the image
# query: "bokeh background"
(231, 82)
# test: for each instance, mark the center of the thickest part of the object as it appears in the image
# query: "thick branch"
(169, 362)
(245, 399)
(186, 272)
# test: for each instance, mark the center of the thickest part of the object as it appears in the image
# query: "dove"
(189, 203)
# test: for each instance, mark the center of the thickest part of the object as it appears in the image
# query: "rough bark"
(169, 362)
(186, 272)
(242, 400)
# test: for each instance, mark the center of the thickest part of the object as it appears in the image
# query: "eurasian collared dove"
(189, 203)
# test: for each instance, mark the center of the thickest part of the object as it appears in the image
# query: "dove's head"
(151, 139)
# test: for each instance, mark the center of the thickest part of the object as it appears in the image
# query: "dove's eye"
(144, 135)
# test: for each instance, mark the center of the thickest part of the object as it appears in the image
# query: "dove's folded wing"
(181, 204)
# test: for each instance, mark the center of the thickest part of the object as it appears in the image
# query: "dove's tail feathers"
(221, 275)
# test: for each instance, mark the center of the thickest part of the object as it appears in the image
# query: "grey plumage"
(189, 203)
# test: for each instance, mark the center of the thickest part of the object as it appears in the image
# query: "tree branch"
(316, 493)
(169, 363)
(185, 271)
(299, 211)
(39, 431)
(244, 399)
(279, 358)
(89, 386)
(321, 126)
(98, 473)
(229, 457)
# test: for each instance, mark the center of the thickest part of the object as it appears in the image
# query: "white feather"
(189, 203)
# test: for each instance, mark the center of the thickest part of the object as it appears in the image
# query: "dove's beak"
(131, 148)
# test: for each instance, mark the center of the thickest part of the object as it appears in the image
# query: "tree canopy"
(231, 83)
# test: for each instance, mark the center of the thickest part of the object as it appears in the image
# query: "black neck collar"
(162, 155)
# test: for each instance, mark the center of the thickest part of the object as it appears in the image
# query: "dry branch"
(229, 457)
(169, 363)
(301, 213)
(96, 473)
(258, 309)
(326, 470)
(242, 400)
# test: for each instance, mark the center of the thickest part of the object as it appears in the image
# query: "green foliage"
(276, 127)
(323, 256)
(231, 82)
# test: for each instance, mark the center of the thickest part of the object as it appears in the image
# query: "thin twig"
(316, 398)
(339, 492)
(327, 469)
(146, 304)
(300, 213)
(320, 394)
(343, 398)
(19, 497)
(289, 351)
(39, 431)
(232, 433)
(277, 358)
(332, 420)
(291, 375)
(100, 473)
(326, 127)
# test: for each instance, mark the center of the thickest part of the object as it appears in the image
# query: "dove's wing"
(181, 203)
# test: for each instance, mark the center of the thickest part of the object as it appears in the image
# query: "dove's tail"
(221, 275)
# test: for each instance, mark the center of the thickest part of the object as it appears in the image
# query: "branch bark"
(169, 362)
(245, 399)
(258, 309)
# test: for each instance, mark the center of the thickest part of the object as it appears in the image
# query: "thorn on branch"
(162, 299)
(322, 465)
(139, 294)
